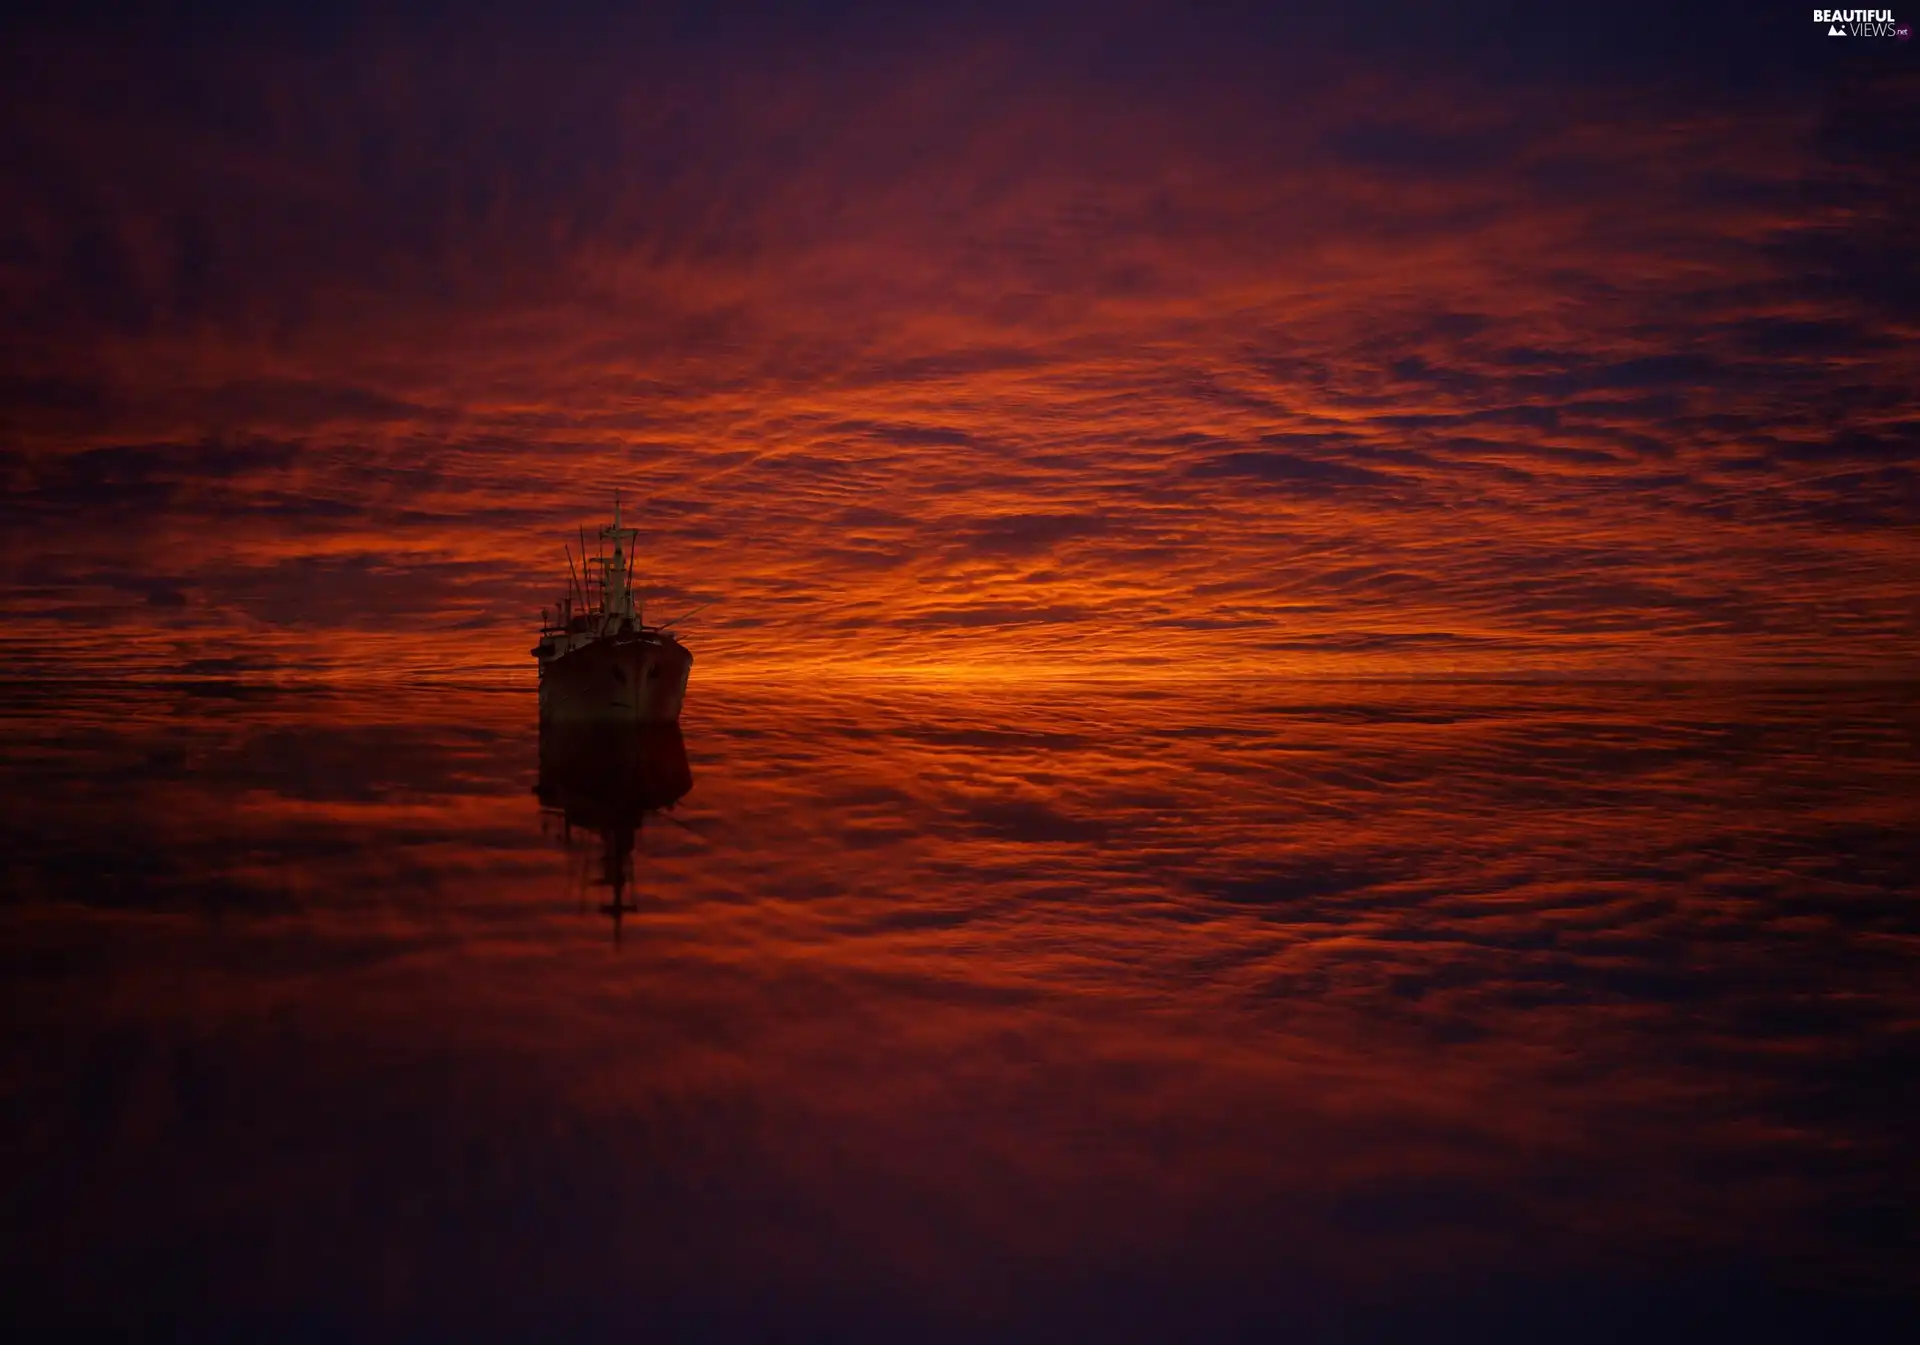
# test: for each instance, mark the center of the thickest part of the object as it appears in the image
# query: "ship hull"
(635, 679)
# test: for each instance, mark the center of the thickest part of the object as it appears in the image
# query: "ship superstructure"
(599, 660)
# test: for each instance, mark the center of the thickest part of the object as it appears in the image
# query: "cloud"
(1031, 534)
(1276, 467)
(907, 344)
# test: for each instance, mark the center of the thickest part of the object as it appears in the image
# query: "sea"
(870, 1010)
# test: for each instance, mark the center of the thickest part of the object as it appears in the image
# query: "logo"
(1862, 23)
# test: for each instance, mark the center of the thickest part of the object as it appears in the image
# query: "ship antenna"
(626, 578)
(585, 604)
(633, 554)
(684, 615)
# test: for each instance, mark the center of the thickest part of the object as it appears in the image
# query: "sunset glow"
(1269, 692)
(926, 351)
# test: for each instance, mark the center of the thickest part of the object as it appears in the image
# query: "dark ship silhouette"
(600, 663)
(606, 779)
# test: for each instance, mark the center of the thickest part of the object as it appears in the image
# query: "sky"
(965, 341)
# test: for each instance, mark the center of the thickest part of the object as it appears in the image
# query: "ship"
(600, 663)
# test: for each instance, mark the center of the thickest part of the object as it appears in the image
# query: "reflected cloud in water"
(1331, 1011)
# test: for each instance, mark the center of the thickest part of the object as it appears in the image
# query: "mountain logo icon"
(1835, 30)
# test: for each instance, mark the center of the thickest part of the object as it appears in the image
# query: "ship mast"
(617, 569)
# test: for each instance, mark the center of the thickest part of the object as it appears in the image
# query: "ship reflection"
(605, 779)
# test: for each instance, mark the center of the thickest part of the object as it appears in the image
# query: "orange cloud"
(947, 367)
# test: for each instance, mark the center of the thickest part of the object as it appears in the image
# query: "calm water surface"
(1280, 1012)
